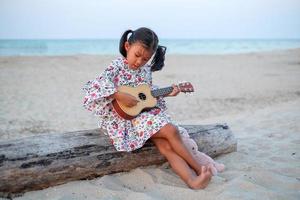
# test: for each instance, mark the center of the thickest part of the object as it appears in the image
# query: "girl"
(137, 48)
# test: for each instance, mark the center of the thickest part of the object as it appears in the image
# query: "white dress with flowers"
(125, 135)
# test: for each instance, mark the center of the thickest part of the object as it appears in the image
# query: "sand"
(256, 94)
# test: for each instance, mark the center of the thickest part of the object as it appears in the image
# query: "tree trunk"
(38, 162)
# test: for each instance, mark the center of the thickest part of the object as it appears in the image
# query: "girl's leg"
(180, 166)
(171, 134)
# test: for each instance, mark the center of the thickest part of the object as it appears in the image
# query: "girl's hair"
(149, 40)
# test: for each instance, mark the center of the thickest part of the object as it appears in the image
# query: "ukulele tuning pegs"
(186, 87)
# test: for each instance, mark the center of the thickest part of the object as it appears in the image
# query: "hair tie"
(130, 31)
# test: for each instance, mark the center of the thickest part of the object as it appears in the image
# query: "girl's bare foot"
(201, 181)
(198, 172)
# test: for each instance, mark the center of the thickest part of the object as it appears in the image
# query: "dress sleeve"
(97, 91)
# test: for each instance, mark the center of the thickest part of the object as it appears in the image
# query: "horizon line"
(159, 39)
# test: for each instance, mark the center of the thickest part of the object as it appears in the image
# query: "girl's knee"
(163, 146)
(170, 130)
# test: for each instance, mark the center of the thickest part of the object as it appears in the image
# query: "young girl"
(137, 48)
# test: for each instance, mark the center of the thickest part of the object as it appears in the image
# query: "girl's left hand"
(175, 91)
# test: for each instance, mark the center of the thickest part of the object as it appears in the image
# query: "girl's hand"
(175, 91)
(126, 99)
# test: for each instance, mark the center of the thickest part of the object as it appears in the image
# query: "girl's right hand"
(126, 99)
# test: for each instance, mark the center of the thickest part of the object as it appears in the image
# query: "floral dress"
(128, 135)
(125, 135)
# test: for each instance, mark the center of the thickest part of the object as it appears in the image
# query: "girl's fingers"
(175, 89)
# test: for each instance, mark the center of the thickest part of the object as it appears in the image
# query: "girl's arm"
(126, 99)
(98, 91)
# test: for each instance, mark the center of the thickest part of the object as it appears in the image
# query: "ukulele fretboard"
(161, 91)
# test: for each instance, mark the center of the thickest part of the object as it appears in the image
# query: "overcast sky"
(53, 19)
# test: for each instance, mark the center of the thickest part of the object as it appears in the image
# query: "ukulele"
(146, 97)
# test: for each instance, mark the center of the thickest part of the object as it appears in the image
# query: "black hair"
(149, 40)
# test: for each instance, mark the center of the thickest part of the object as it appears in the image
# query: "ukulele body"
(146, 97)
(142, 93)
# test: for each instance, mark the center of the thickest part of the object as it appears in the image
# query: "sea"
(62, 47)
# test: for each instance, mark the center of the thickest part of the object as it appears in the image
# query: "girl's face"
(137, 55)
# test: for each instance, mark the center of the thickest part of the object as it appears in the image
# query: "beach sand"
(256, 94)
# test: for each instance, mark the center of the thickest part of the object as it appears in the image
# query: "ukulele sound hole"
(142, 96)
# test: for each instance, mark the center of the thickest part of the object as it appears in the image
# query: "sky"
(189, 19)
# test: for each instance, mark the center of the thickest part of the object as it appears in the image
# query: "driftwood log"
(38, 162)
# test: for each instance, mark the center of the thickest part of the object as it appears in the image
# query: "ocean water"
(110, 46)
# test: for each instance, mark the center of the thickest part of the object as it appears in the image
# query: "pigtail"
(122, 42)
(158, 59)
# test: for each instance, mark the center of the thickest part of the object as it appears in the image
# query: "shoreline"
(167, 54)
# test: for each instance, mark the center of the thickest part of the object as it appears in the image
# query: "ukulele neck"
(161, 92)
